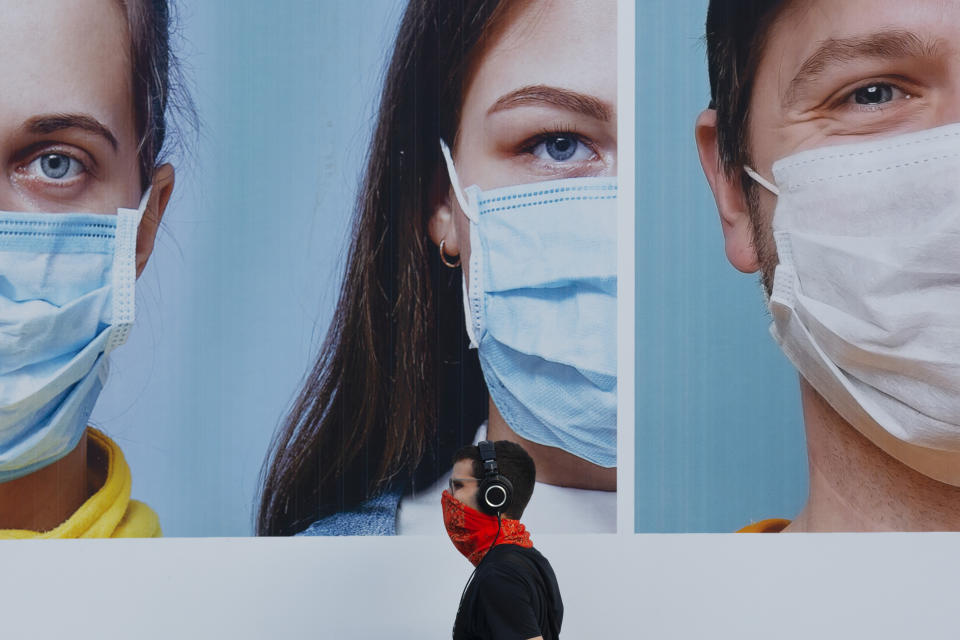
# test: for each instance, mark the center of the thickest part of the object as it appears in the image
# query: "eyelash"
(36, 152)
(845, 97)
(528, 145)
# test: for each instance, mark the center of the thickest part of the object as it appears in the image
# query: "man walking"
(513, 592)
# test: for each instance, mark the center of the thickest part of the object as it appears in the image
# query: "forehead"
(463, 469)
(64, 56)
(563, 43)
(803, 26)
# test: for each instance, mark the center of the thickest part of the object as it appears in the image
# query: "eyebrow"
(59, 121)
(565, 99)
(884, 45)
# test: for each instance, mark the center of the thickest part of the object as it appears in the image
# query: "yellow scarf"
(108, 512)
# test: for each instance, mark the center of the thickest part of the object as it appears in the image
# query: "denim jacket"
(375, 517)
(378, 515)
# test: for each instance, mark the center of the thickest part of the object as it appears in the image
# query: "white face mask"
(866, 298)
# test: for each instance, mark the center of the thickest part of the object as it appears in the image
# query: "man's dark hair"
(514, 463)
(736, 35)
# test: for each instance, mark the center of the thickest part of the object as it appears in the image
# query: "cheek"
(467, 497)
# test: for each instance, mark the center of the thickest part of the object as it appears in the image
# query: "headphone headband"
(489, 456)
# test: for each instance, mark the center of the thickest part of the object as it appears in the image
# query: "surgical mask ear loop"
(772, 188)
(455, 183)
(125, 272)
(763, 182)
(474, 218)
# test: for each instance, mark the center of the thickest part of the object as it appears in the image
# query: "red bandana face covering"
(473, 532)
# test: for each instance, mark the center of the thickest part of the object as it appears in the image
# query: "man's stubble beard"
(761, 224)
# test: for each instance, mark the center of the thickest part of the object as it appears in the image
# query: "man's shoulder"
(502, 552)
(514, 561)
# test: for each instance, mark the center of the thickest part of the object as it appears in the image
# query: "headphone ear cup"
(481, 492)
(508, 490)
(495, 494)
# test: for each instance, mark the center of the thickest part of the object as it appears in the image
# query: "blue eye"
(55, 166)
(561, 147)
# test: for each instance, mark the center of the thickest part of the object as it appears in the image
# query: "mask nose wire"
(763, 182)
(455, 182)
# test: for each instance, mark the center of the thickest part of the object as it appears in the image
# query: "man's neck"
(554, 466)
(855, 486)
(46, 498)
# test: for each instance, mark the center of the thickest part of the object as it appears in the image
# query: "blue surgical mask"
(541, 308)
(66, 301)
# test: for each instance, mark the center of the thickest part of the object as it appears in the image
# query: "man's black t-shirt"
(513, 596)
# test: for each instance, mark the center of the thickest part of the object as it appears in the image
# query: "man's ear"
(159, 197)
(728, 193)
(442, 227)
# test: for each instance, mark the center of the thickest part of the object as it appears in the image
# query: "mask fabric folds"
(541, 308)
(473, 533)
(66, 301)
(866, 298)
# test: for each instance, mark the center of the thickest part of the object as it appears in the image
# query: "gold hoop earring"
(443, 256)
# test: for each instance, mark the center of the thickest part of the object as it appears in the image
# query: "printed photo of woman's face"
(540, 104)
(72, 130)
(82, 123)
(68, 134)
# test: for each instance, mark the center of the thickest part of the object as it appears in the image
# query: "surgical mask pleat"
(866, 300)
(66, 299)
(49, 328)
(541, 308)
(530, 309)
(579, 418)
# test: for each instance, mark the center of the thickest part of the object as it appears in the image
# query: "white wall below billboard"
(645, 586)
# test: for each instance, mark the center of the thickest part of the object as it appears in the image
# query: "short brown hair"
(735, 32)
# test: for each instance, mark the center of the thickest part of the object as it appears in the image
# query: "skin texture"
(822, 57)
(463, 485)
(68, 58)
(542, 49)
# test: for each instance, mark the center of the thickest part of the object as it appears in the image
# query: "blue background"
(241, 286)
(719, 439)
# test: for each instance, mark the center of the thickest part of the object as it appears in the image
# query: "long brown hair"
(394, 390)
